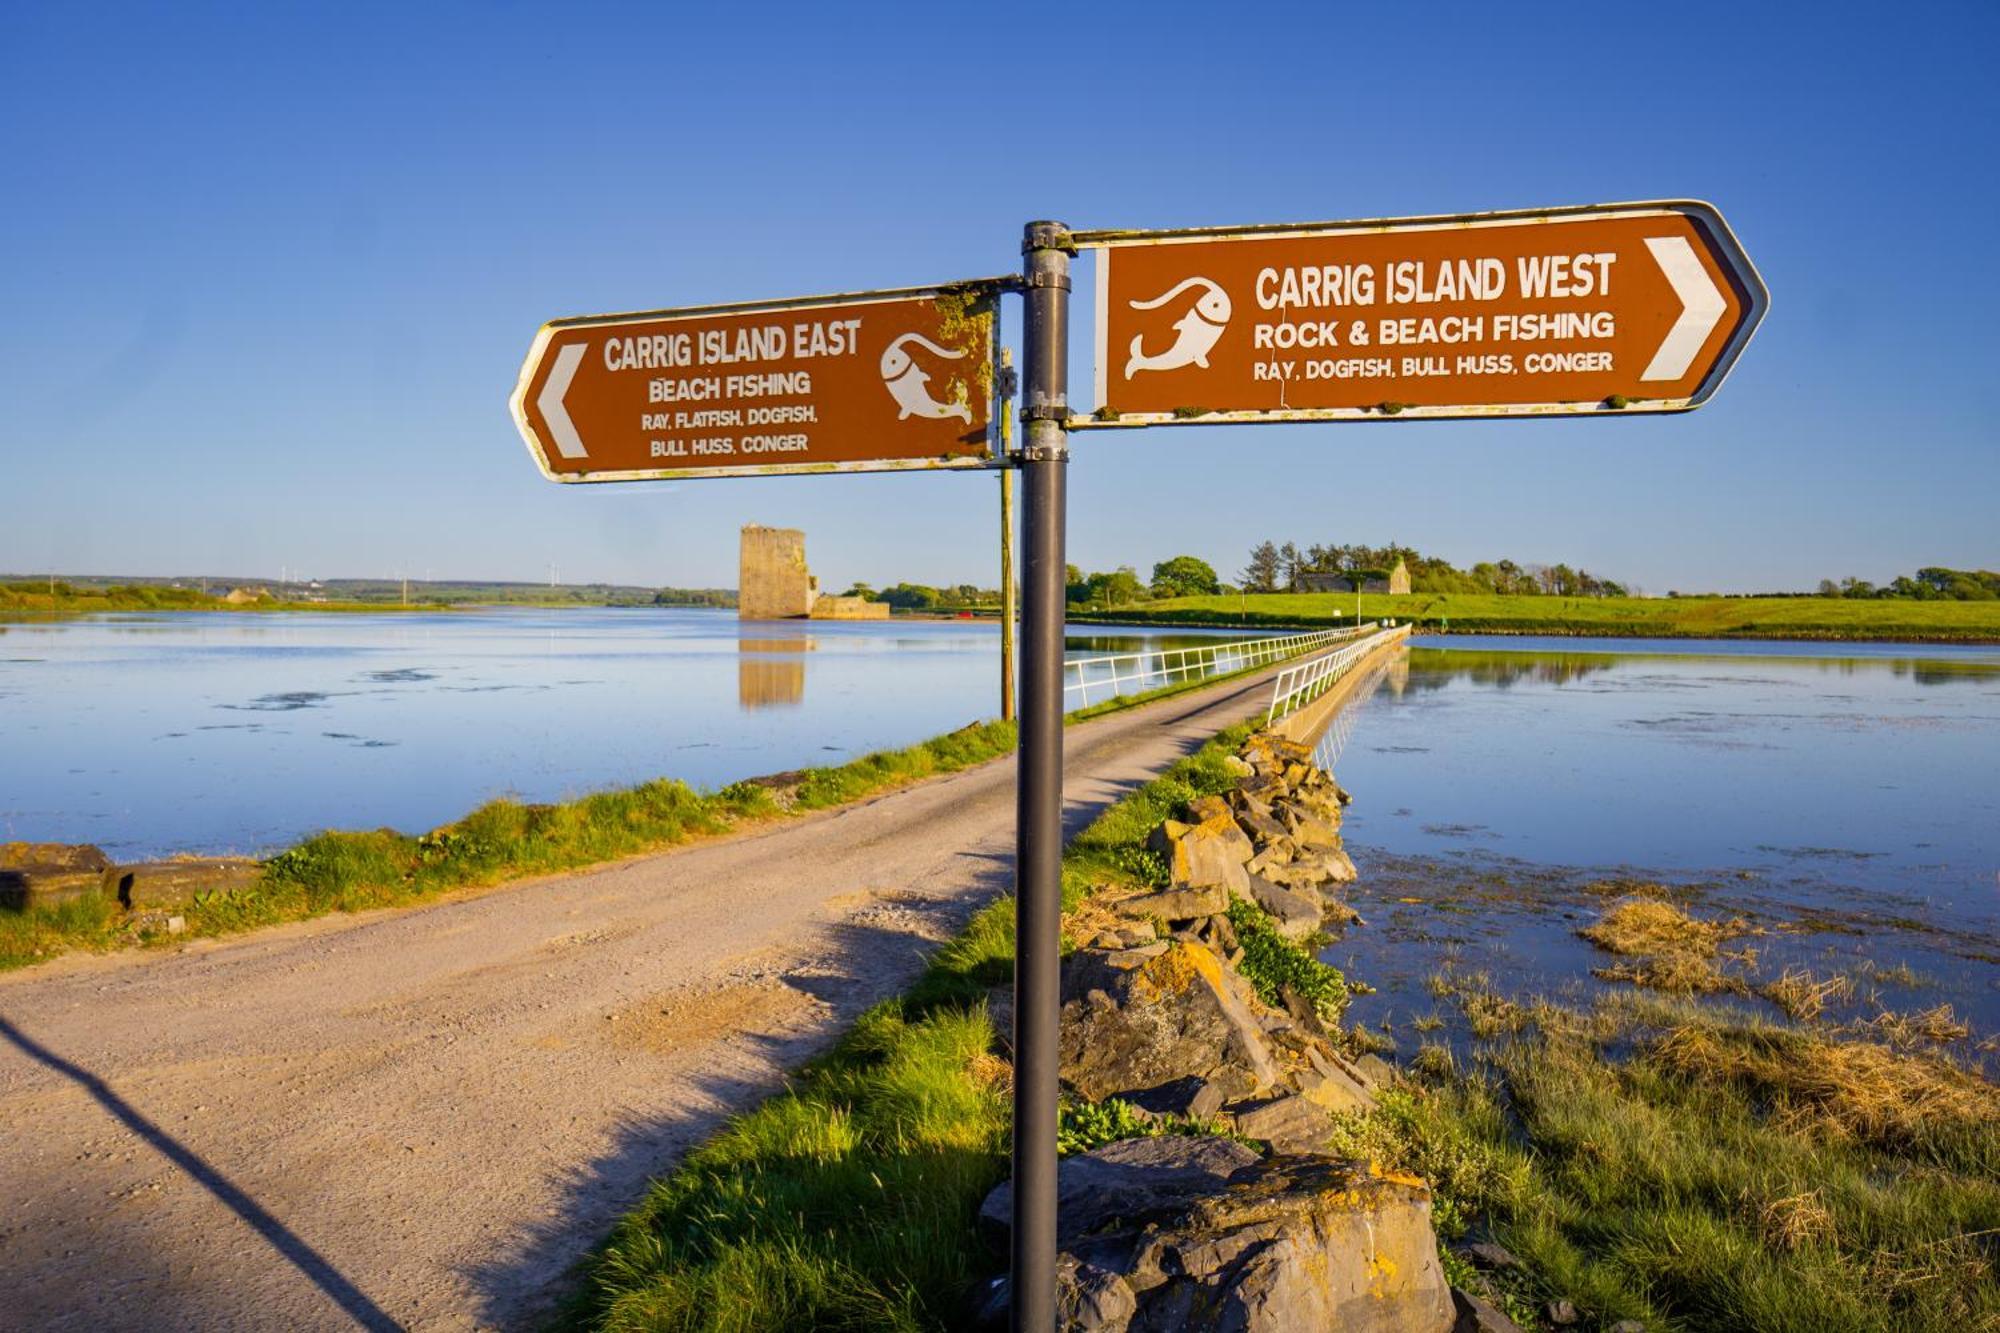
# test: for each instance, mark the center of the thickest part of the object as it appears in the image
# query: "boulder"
(53, 856)
(1243, 799)
(173, 883)
(1270, 1246)
(1310, 832)
(1335, 1090)
(1317, 867)
(1211, 852)
(1174, 1015)
(1204, 808)
(1262, 826)
(1474, 1315)
(1127, 1177)
(1278, 852)
(1195, 1098)
(1296, 911)
(1490, 1254)
(1339, 866)
(1290, 1124)
(41, 874)
(1375, 1073)
(1321, 801)
(1266, 792)
(1302, 874)
(1176, 904)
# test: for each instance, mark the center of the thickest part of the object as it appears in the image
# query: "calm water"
(156, 733)
(1845, 798)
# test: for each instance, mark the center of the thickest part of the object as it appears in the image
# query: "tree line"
(1933, 583)
(1181, 576)
(1275, 567)
(1279, 567)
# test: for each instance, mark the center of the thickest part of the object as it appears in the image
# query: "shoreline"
(1716, 1088)
(1558, 630)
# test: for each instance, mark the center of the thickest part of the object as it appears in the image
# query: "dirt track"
(420, 1118)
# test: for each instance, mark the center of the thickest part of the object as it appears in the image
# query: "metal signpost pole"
(1038, 837)
(1008, 610)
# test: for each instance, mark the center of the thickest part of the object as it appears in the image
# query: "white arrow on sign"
(1701, 306)
(550, 401)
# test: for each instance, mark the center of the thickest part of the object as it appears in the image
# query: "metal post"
(1008, 611)
(1038, 830)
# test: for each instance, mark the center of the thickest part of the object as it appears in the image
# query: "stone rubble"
(1182, 1232)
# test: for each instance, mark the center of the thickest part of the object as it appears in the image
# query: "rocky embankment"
(48, 874)
(1206, 1017)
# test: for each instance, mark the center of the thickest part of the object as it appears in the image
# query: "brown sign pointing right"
(1633, 307)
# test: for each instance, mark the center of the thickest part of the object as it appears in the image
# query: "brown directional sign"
(873, 382)
(1617, 307)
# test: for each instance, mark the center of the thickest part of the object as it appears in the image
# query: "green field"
(1638, 617)
(31, 601)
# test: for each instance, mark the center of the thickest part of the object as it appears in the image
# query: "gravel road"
(420, 1118)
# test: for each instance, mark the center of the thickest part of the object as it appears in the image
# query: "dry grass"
(1834, 1089)
(1802, 997)
(1936, 1026)
(1674, 951)
(1676, 973)
(1640, 927)
(1796, 1221)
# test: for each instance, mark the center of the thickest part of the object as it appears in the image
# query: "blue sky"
(269, 271)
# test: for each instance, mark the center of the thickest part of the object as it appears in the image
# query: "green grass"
(849, 1201)
(1690, 1166)
(33, 601)
(1273, 964)
(339, 871)
(1634, 617)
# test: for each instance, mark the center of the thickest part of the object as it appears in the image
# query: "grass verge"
(850, 1200)
(1689, 1165)
(354, 871)
(1636, 617)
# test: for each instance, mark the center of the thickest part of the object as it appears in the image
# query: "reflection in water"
(771, 671)
(1434, 667)
(1506, 666)
(1392, 676)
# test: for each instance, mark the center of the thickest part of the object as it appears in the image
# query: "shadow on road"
(295, 1250)
(869, 961)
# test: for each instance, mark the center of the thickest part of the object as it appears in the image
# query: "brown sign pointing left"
(880, 381)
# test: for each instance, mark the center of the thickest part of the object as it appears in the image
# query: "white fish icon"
(906, 379)
(1199, 328)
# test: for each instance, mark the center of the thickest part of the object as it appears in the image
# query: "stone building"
(773, 582)
(1395, 583)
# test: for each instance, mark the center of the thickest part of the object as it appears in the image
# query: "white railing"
(1088, 679)
(1303, 682)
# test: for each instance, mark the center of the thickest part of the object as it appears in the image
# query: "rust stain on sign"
(877, 381)
(1621, 307)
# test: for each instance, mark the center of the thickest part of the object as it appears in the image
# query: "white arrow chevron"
(1701, 306)
(550, 401)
